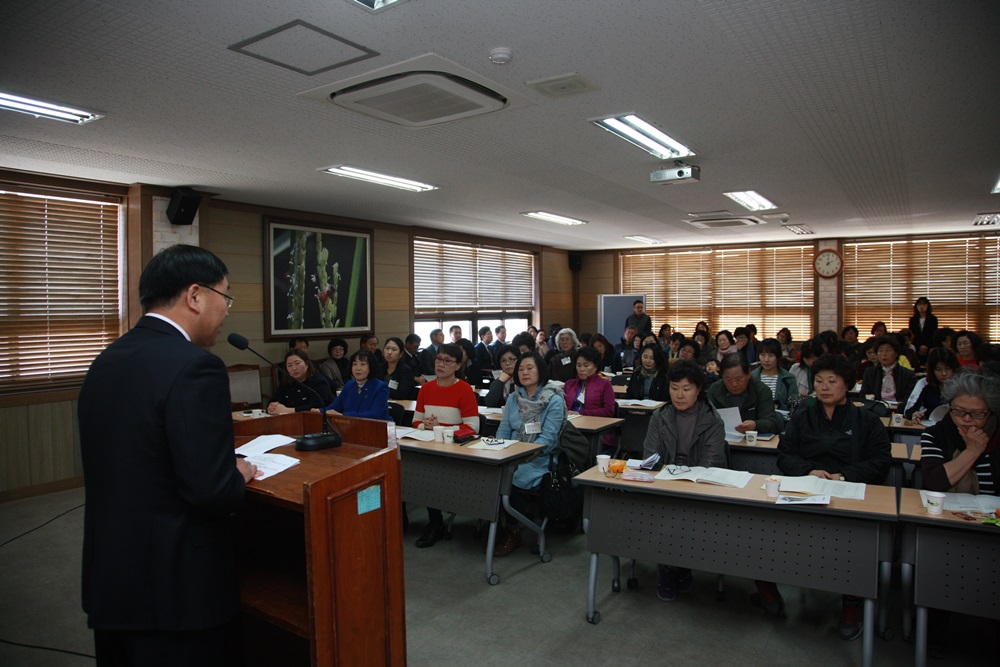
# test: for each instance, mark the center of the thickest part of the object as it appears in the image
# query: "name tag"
(566, 360)
(607, 369)
(532, 427)
(393, 384)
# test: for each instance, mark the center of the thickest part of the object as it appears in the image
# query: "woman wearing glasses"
(831, 439)
(959, 452)
(686, 432)
(535, 412)
(503, 385)
(291, 396)
(446, 400)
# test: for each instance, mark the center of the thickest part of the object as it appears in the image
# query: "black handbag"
(561, 499)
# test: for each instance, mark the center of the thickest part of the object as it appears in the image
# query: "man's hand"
(247, 469)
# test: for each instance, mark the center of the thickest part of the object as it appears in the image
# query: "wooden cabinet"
(320, 550)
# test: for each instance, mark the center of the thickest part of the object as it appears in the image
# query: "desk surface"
(880, 501)
(908, 426)
(588, 424)
(912, 510)
(769, 443)
(492, 456)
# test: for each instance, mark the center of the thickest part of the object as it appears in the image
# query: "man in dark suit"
(162, 483)
(428, 353)
(483, 357)
(499, 341)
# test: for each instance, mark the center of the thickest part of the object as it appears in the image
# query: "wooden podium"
(320, 550)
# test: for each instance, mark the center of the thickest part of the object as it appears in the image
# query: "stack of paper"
(815, 486)
(271, 464)
(720, 476)
(262, 444)
(646, 403)
(966, 502)
(414, 434)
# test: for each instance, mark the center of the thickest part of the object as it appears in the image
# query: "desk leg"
(906, 583)
(868, 634)
(920, 659)
(884, 582)
(492, 578)
(531, 525)
(593, 616)
(595, 445)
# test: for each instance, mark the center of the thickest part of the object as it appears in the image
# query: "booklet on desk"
(815, 486)
(736, 479)
(966, 502)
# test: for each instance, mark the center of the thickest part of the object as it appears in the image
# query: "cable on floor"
(47, 648)
(42, 525)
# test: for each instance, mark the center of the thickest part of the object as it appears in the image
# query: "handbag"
(561, 499)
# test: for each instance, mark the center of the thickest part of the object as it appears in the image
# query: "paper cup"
(935, 502)
(439, 434)
(449, 436)
(603, 460)
(751, 437)
(258, 413)
(771, 487)
(897, 419)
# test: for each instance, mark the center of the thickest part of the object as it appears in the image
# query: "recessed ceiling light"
(984, 219)
(552, 217)
(996, 188)
(376, 5)
(798, 229)
(380, 179)
(40, 109)
(751, 200)
(636, 131)
(644, 239)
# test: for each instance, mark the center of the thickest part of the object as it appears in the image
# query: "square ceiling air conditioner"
(419, 99)
(721, 223)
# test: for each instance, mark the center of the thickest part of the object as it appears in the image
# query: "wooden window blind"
(464, 278)
(959, 275)
(727, 287)
(59, 287)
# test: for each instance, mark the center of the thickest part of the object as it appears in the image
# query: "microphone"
(312, 442)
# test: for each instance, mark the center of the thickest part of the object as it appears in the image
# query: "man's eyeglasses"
(677, 470)
(229, 299)
(958, 413)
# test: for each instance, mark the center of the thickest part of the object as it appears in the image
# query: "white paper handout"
(646, 403)
(731, 418)
(271, 464)
(815, 486)
(414, 434)
(737, 479)
(647, 464)
(802, 500)
(967, 502)
(491, 443)
(262, 444)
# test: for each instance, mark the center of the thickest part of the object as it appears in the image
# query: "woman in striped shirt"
(959, 453)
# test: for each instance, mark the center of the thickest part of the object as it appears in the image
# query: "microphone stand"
(312, 442)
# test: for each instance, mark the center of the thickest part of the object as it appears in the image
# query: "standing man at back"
(162, 482)
(639, 319)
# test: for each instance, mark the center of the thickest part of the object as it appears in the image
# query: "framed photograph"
(318, 280)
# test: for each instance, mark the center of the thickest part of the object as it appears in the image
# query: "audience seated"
(588, 393)
(926, 394)
(429, 353)
(685, 432)
(446, 400)
(966, 344)
(739, 389)
(690, 350)
(707, 352)
(397, 374)
(502, 387)
(336, 369)
(523, 342)
(783, 385)
(649, 380)
(887, 380)
(626, 342)
(561, 366)
(290, 396)
(673, 349)
(789, 353)
(832, 439)
(611, 361)
(725, 344)
(363, 395)
(535, 412)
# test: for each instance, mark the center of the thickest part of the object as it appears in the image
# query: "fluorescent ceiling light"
(996, 188)
(380, 179)
(644, 239)
(984, 219)
(552, 217)
(636, 131)
(751, 200)
(798, 229)
(40, 109)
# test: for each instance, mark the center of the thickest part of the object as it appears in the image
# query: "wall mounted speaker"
(183, 206)
(575, 261)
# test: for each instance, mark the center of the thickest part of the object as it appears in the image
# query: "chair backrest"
(244, 386)
(397, 413)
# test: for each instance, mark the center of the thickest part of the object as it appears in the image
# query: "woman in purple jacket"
(589, 393)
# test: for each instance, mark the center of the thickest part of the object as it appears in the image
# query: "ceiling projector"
(679, 173)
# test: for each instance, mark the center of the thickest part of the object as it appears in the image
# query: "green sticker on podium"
(369, 499)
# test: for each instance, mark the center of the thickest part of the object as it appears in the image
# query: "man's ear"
(193, 296)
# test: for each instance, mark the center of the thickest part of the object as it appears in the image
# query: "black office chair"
(397, 413)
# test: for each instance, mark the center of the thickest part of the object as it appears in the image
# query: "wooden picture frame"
(317, 280)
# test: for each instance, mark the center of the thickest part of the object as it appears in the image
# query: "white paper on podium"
(262, 444)
(271, 464)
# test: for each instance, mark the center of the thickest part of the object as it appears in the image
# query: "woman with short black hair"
(926, 394)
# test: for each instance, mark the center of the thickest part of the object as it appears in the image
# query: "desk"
(594, 428)
(732, 531)
(620, 389)
(760, 458)
(635, 427)
(950, 563)
(471, 482)
(908, 427)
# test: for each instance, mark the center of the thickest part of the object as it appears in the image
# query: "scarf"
(531, 409)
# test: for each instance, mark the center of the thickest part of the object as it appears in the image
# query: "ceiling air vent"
(419, 99)
(720, 223)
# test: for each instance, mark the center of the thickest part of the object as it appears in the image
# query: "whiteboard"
(612, 311)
